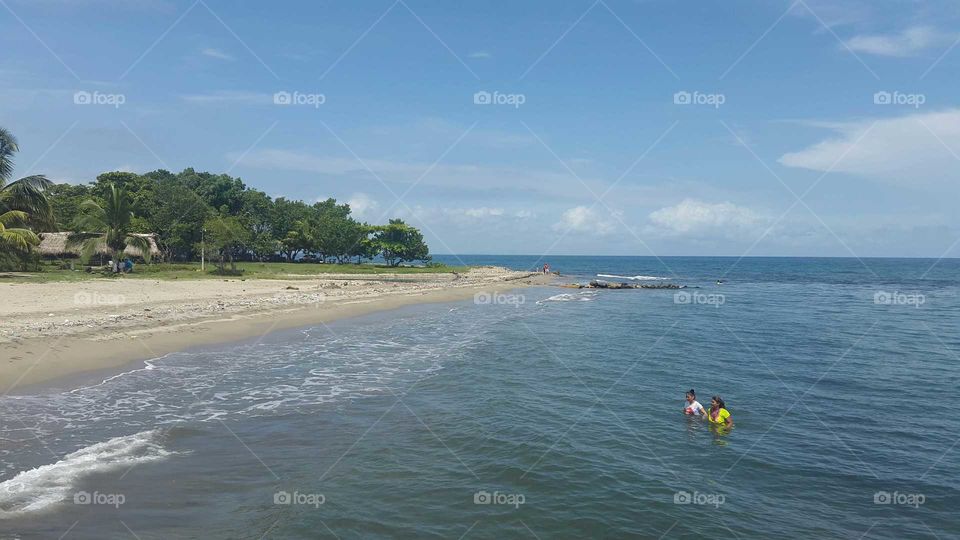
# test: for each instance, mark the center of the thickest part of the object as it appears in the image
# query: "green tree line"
(189, 211)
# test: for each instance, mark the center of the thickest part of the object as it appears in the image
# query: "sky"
(597, 127)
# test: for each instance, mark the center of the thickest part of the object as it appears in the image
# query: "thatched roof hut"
(54, 245)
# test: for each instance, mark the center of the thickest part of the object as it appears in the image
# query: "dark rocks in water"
(618, 285)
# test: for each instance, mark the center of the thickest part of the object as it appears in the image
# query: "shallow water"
(560, 408)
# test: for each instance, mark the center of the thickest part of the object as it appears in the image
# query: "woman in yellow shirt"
(718, 414)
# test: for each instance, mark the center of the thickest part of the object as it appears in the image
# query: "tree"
(65, 199)
(178, 219)
(398, 242)
(264, 246)
(108, 225)
(226, 235)
(18, 238)
(299, 239)
(26, 194)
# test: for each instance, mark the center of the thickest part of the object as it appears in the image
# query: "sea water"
(541, 412)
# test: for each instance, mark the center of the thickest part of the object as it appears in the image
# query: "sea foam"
(633, 278)
(40, 488)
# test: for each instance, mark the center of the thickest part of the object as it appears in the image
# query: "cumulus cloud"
(583, 219)
(916, 149)
(907, 43)
(702, 219)
(362, 206)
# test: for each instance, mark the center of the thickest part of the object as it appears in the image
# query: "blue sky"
(785, 147)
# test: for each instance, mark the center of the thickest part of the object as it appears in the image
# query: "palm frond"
(27, 194)
(8, 147)
(21, 239)
(13, 216)
(140, 243)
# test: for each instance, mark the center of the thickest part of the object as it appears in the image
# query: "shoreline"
(35, 350)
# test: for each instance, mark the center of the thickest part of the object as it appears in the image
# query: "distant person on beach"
(693, 407)
(719, 415)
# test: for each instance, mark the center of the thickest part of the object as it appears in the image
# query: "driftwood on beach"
(618, 285)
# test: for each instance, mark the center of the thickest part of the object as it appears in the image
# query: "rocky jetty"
(618, 285)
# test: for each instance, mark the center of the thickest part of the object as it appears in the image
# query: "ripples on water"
(398, 420)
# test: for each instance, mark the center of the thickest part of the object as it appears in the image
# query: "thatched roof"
(55, 245)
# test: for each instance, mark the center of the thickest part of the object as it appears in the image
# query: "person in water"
(718, 414)
(693, 407)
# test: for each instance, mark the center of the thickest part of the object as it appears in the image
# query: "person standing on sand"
(719, 415)
(693, 407)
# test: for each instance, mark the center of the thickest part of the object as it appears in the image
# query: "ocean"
(537, 413)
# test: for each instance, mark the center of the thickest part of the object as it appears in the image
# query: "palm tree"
(26, 194)
(16, 237)
(21, 202)
(107, 225)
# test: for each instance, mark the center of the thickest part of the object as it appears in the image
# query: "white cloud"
(701, 219)
(907, 43)
(483, 212)
(462, 177)
(216, 53)
(585, 220)
(481, 54)
(229, 96)
(363, 207)
(920, 148)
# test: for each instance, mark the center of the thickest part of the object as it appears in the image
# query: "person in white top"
(693, 407)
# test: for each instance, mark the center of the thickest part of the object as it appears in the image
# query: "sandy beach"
(52, 330)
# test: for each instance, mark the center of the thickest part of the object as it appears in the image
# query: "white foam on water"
(40, 488)
(584, 296)
(633, 278)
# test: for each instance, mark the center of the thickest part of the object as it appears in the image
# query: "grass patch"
(250, 270)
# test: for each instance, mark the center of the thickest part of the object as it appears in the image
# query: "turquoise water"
(554, 413)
